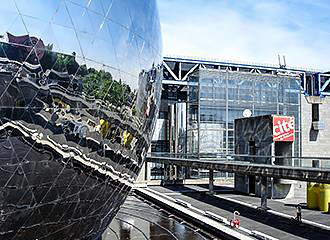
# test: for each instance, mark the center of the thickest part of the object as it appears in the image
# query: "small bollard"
(235, 222)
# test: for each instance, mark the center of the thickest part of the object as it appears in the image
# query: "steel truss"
(177, 71)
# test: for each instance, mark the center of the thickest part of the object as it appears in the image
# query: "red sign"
(283, 129)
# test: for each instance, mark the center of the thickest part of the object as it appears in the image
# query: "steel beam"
(284, 172)
(253, 68)
(170, 71)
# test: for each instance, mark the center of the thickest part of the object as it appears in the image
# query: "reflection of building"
(216, 93)
(72, 136)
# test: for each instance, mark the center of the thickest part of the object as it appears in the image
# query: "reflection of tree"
(60, 62)
(49, 58)
(97, 84)
(101, 85)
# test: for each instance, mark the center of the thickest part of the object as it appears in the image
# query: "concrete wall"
(315, 143)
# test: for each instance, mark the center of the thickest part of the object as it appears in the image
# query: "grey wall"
(315, 143)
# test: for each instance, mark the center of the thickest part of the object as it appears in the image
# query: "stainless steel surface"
(79, 93)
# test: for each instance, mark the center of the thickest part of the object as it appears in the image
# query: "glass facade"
(79, 97)
(217, 97)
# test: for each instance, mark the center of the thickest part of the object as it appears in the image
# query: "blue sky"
(252, 31)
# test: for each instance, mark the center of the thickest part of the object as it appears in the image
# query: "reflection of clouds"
(119, 29)
(78, 104)
(70, 56)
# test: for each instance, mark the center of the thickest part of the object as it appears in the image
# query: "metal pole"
(300, 124)
(198, 114)
(254, 97)
(264, 188)
(278, 98)
(180, 72)
(227, 112)
(211, 182)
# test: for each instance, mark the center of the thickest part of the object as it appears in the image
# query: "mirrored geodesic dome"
(79, 94)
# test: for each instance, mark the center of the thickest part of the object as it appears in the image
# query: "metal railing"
(289, 161)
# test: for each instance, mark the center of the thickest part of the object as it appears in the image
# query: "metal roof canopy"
(178, 69)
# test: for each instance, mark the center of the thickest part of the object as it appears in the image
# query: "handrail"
(228, 156)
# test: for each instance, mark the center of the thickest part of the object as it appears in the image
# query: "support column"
(167, 172)
(170, 172)
(141, 179)
(211, 182)
(264, 191)
(147, 171)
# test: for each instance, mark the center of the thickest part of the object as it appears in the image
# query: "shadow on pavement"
(258, 216)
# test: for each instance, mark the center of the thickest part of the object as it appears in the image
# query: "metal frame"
(309, 174)
(323, 86)
(181, 78)
(227, 66)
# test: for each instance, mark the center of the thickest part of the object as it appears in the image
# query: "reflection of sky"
(100, 32)
(248, 30)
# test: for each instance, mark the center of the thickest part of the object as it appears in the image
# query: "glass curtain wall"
(216, 98)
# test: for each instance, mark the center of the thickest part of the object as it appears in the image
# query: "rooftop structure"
(314, 81)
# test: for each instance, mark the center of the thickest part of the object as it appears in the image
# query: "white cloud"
(255, 31)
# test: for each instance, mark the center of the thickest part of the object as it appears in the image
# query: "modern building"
(79, 97)
(202, 98)
(220, 96)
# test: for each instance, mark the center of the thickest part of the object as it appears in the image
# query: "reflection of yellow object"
(313, 195)
(324, 197)
(60, 103)
(128, 137)
(104, 126)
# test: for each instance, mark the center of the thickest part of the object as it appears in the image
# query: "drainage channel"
(209, 222)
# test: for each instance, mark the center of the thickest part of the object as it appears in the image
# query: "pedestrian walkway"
(226, 201)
